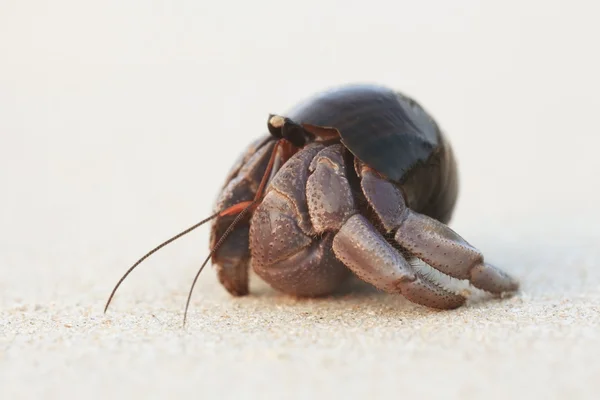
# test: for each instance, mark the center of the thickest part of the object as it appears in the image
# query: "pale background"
(119, 119)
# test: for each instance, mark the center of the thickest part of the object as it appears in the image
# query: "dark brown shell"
(383, 128)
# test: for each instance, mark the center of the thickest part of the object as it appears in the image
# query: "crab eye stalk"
(281, 127)
(275, 125)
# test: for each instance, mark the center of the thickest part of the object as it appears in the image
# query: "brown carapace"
(356, 180)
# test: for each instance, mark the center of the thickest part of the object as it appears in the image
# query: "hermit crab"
(356, 180)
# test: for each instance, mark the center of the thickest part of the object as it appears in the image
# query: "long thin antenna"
(154, 250)
(257, 198)
(221, 240)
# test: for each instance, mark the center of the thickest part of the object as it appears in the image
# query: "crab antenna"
(217, 245)
(154, 250)
(250, 205)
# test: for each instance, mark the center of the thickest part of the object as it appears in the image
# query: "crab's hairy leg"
(443, 249)
(232, 257)
(289, 249)
(366, 252)
(307, 235)
(430, 240)
(357, 243)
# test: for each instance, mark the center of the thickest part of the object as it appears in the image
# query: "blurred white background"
(119, 119)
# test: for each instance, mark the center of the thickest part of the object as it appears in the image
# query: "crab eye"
(275, 125)
(281, 127)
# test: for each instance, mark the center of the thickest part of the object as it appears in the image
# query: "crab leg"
(442, 248)
(430, 240)
(366, 252)
(232, 257)
(290, 249)
(308, 233)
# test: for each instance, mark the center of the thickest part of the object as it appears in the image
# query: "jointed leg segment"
(442, 248)
(431, 241)
(286, 250)
(308, 232)
(373, 259)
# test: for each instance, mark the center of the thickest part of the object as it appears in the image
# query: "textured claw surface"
(370, 256)
(385, 198)
(328, 192)
(289, 250)
(428, 294)
(491, 279)
(438, 245)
